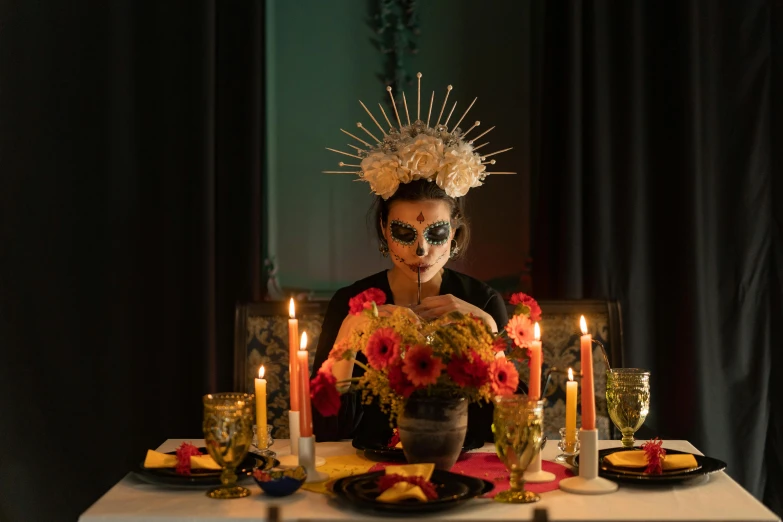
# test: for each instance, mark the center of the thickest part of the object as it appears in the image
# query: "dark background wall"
(321, 63)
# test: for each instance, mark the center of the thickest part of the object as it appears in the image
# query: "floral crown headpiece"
(418, 151)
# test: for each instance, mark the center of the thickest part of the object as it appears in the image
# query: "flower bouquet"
(454, 356)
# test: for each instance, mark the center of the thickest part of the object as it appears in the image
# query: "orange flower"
(520, 329)
(421, 367)
(505, 377)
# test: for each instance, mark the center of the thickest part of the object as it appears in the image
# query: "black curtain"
(659, 183)
(131, 137)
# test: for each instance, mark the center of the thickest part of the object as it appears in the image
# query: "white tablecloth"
(716, 498)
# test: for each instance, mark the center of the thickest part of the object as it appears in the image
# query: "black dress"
(369, 422)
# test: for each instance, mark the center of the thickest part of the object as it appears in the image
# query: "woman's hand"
(436, 306)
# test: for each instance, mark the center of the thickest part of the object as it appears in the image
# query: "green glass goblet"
(628, 400)
(228, 433)
(518, 428)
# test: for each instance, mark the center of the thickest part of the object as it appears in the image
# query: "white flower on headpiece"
(384, 173)
(423, 156)
(460, 171)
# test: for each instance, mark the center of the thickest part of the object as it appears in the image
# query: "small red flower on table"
(655, 454)
(395, 438)
(184, 452)
(427, 487)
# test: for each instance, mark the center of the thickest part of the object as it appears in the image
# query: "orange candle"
(570, 419)
(305, 412)
(534, 391)
(588, 388)
(293, 343)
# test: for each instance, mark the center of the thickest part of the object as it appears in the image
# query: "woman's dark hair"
(421, 190)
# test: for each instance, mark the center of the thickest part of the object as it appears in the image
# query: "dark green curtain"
(131, 139)
(659, 183)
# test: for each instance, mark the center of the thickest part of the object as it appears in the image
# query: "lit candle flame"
(261, 372)
(303, 343)
(537, 332)
(291, 309)
(570, 374)
(583, 324)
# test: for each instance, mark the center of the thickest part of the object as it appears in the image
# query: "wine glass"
(628, 400)
(518, 428)
(228, 433)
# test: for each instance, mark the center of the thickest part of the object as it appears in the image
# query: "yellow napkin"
(337, 468)
(638, 459)
(403, 490)
(156, 459)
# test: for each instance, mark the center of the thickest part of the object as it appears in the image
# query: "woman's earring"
(454, 249)
(383, 248)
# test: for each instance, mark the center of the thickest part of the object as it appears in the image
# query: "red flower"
(395, 438)
(468, 370)
(504, 377)
(261, 475)
(520, 329)
(383, 347)
(427, 487)
(184, 452)
(421, 367)
(526, 305)
(655, 454)
(324, 394)
(500, 344)
(364, 300)
(398, 381)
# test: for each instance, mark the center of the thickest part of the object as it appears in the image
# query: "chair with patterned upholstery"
(561, 335)
(261, 337)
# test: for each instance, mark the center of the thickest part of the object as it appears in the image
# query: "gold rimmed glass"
(228, 433)
(628, 400)
(518, 428)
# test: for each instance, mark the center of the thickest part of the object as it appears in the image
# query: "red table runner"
(487, 466)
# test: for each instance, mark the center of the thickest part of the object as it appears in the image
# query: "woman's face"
(419, 236)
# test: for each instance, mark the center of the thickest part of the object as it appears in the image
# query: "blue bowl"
(280, 482)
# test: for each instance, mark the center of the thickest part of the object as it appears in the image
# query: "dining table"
(714, 496)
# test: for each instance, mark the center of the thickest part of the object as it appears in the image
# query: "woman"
(420, 227)
(419, 174)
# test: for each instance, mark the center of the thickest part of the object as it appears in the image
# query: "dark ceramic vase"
(433, 430)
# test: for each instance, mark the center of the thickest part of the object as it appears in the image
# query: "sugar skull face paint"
(419, 235)
(403, 233)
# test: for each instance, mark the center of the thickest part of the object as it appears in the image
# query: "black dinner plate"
(361, 492)
(379, 451)
(202, 477)
(705, 466)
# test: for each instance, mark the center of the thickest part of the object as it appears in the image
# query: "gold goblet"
(628, 400)
(228, 433)
(518, 428)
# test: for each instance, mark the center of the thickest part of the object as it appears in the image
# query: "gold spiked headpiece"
(418, 151)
